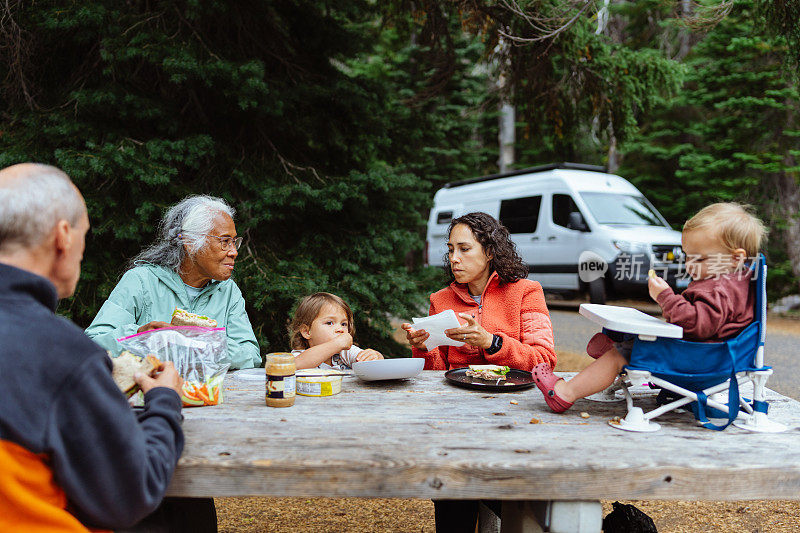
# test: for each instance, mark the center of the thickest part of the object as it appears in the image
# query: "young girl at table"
(718, 304)
(322, 333)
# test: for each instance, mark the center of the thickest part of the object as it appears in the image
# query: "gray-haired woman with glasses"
(189, 266)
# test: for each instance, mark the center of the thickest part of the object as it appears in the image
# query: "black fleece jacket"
(57, 398)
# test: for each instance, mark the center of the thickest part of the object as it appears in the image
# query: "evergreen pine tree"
(282, 108)
(732, 134)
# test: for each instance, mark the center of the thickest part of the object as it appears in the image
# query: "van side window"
(563, 205)
(444, 217)
(520, 215)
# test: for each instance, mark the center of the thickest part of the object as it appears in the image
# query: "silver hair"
(32, 203)
(184, 223)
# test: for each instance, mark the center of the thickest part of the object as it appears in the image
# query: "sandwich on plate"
(181, 317)
(128, 364)
(489, 372)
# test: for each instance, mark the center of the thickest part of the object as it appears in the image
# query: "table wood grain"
(424, 438)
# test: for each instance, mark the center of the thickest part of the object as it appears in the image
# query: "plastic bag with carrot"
(200, 355)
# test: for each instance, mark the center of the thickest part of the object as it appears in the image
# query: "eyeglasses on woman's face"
(228, 242)
(225, 242)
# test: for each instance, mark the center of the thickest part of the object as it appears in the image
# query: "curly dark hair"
(495, 240)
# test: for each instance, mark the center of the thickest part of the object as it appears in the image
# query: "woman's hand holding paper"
(471, 333)
(416, 337)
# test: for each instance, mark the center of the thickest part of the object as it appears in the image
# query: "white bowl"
(401, 368)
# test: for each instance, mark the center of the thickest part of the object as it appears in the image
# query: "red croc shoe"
(598, 345)
(545, 379)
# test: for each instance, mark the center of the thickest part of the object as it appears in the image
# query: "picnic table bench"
(424, 438)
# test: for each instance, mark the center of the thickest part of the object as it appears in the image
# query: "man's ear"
(305, 332)
(63, 236)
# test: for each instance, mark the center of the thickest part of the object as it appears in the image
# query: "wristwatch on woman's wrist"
(497, 343)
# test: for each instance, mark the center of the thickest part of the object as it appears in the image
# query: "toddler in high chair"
(322, 332)
(717, 305)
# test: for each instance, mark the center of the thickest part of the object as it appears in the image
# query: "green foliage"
(444, 132)
(726, 129)
(300, 114)
(574, 91)
(329, 124)
(782, 19)
(728, 135)
(590, 88)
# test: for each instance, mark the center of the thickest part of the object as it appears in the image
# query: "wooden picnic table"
(424, 438)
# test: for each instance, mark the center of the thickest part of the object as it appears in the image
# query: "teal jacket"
(146, 293)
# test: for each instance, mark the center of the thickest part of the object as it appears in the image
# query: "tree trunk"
(684, 36)
(614, 157)
(789, 202)
(602, 18)
(789, 198)
(507, 135)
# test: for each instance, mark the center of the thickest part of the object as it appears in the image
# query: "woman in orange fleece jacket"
(505, 319)
(505, 322)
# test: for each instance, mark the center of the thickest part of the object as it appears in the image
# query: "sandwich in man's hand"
(181, 317)
(126, 365)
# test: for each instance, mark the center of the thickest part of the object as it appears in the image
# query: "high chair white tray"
(630, 320)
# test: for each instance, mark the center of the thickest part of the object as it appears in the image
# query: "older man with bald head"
(43, 222)
(72, 453)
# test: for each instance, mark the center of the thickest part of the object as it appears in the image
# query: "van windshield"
(621, 209)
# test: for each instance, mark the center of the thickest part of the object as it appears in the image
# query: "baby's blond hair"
(308, 309)
(734, 224)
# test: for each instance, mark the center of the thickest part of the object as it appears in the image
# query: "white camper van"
(577, 227)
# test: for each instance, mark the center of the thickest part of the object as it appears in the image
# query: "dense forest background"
(330, 124)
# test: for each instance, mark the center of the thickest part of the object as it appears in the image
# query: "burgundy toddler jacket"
(713, 309)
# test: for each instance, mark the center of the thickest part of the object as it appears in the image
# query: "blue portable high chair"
(699, 373)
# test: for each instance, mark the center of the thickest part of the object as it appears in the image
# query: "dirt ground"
(301, 515)
(304, 515)
(783, 324)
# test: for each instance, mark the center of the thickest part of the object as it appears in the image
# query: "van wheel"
(597, 291)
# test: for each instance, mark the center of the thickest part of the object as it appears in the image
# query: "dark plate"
(517, 379)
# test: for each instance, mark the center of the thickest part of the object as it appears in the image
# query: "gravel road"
(782, 350)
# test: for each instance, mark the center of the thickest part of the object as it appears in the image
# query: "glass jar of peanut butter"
(280, 379)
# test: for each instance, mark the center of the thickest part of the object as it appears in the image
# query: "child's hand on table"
(369, 355)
